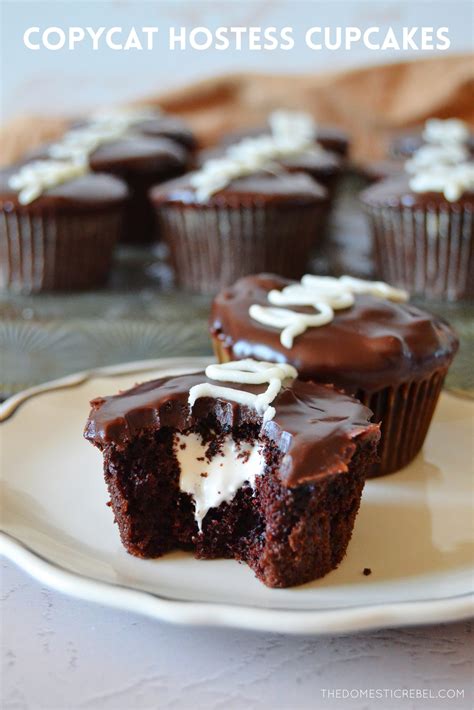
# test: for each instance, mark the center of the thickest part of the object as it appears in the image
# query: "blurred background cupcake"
(422, 220)
(141, 146)
(239, 214)
(59, 225)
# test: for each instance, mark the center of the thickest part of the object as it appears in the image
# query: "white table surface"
(62, 653)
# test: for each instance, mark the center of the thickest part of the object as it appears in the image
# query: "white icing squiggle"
(250, 372)
(443, 132)
(452, 180)
(442, 165)
(104, 127)
(285, 125)
(247, 157)
(34, 178)
(323, 293)
(68, 158)
(429, 156)
(127, 116)
(292, 133)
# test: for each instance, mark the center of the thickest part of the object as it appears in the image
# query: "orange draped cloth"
(371, 103)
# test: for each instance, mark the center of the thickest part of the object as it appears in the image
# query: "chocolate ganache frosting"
(314, 425)
(89, 191)
(373, 344)
(264, 187)
(395, 191)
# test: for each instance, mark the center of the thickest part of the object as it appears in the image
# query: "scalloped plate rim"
(289, 621)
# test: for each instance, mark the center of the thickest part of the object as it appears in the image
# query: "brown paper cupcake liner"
(211, 247)
(405, 412)
(429, 252)
(55, 252)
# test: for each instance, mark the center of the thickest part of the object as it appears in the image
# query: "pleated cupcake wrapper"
(49, 251)
(405, 411)
(212, 247)
(426, 251)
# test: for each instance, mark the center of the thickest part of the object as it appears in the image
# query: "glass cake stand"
(140, 315)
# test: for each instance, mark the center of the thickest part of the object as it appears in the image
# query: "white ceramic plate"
(414, 529)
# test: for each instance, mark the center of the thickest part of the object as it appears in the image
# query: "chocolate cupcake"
(267, 469)
(331, 138)
(256, 221)
(391, 355)
(423, 231)
(435, 131)
(140, 160)
(59, 226)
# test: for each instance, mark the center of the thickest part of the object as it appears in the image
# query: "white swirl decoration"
(32, 179)
(251, 372)
(68, 158)
(444, 132)
(324, 294)
(285, 125)
(104, 127)
(292, 133)
(442, 164)
(452, 180)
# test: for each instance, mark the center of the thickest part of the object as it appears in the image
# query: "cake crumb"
(366, 571)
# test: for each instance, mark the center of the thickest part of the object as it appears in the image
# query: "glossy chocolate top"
(373, 344)
(330, 137)
(138, 153)
(314, 426)
(264, 187)
(319, 164)
(396, 192)
(90, 191)
(133, 153)
(161, 126)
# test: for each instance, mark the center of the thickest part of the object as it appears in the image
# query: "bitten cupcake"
(243, 461)
(59, 225)
(285, 122)
(238, 215)
(422, 224)
(360, 336)
(141, 160)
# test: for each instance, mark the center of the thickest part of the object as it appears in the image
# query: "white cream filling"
(215, 481)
